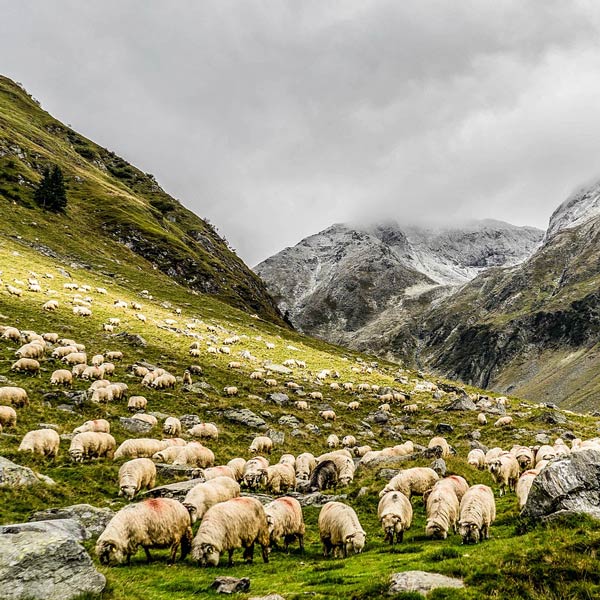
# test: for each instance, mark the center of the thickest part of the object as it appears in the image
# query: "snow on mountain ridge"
(578, 208)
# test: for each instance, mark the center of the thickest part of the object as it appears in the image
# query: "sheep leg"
(301, 542)
(485, 531)
(173, 554)
(148, 557)
(265, 553)
(186, 543)
(230, 559)
(326, 546)
(249, 553)
(399, 537)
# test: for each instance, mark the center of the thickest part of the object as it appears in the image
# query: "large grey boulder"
(135, 425)
(45, 564)
(92, 519)
(571, 483)
(230, 585)
(67, 527)
(421, 582)
(175, 471)
(462, 404)
(14, 475)
(246, 417)
(279, 399)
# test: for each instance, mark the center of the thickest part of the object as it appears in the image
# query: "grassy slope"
(555, 562)
(115, 212)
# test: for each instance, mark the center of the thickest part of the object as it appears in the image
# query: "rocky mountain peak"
(581, 206)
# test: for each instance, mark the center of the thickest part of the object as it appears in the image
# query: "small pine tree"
(51, 193)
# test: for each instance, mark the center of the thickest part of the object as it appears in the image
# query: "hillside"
(533, 329)
(117, 215)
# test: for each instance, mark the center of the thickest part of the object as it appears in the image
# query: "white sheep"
(8, 416)
(285, 521)
(477, 513)
(476, 458)
(140, 448)
(26, 365)
(416, 480)
(61, 377)
(204, 431)
(279, 478)
(135, 475)
(205, 495)
(523, 486)
(261, 445)
(154, 523)
(333, 441)
(305, 463)
(505, 471)
(327, 415)
(195, 454)
(172, 426)
(340, 530)
(92, 444)
(45, 442)
(237, 465)
(16, 396)
(395, 514)
(98, 425)
(236, 523)
(442, 510)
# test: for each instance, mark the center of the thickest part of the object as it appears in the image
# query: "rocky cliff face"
(352, 284)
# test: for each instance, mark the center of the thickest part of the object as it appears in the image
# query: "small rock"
(48, 426)
(188, 421)
(444, 428)
(542, 438)
(14, 475)
(475, 434)
(312, 428)
(277, 437)
(177, 471)
(135, 425)
(298, 433)
(269, 597)
(552, 418)
(379, 417)
(279, 399)
(177, 491)
(66, 407)
(463, 404)
(421, 582)
(77, 398)
(439, 466)
(133, 339)
(245, 416)
(289, 421)
(230, 585)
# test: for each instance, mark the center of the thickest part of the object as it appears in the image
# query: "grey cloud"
(275, 119)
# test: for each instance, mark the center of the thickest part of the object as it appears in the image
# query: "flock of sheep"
(228, 520)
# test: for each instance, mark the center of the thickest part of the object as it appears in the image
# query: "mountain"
(533, 329)
(116, 213)
(352, 284)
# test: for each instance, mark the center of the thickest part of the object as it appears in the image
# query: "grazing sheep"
(442, 510)
(115, 355)
(360, 451)
(476, 458)
(411, 408)
(205, 495)
(63, 351)
(302, 405)
(16, 396)
(340, 530)
(187, 378)
(395, 514)
(135, 475)
(493, 454)
(136, 403)
(230, 390)
(416, 480)
(545, 452)
(271, 382)
(505, 471)
(8, 416)
(285, 520)
(349, 441)
(11, 333)
(237, 465)
(102, 394)
(172, 426)
(32, 350)
(305, 463)
(503, 422)
(92, 444)
(164, 381)
(316, 395)
(354, 405)
(14, 291)
(440, 442)
(154, 523)
(45, 442)
(525, 457)
(236, 523)
(61, 377)
(140, 448)
(477, 513)
(98, 425)
(481, 419)
(139, 371)
(214, 472)
(261, 445)
(195, 454)
(279, 478)
(327, 415)
(253, 472)
(167, 455)
(150, 419)
(288, 459)
(323, 476)
(523, 486)
(207, 431)
(75, 358)
(333, 441)
(26, 365)
(92, 373)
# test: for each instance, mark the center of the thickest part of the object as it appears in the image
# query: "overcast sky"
(275, 119)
